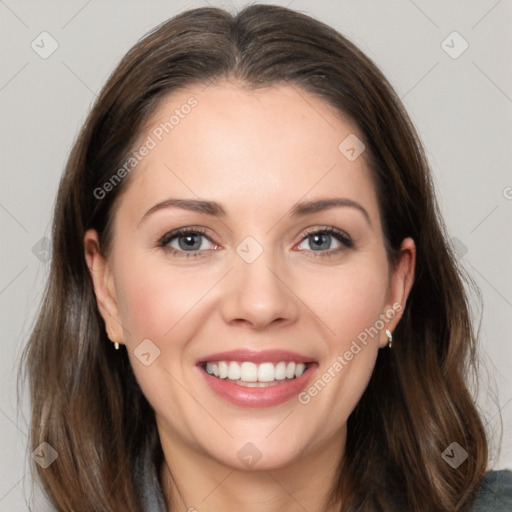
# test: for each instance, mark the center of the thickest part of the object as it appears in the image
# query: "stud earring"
(116, 344)
(390, 337)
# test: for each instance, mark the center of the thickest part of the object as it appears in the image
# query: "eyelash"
(340, 236)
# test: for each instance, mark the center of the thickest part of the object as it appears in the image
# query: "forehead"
(240, 146)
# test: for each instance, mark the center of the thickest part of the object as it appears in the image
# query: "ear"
(104, 286)
(400, 284)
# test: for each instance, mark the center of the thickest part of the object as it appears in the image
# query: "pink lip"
(242, 396)
(256, 356)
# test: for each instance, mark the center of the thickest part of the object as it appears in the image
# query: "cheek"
(351, 307)
(155, 302)
(351, 300)
(154, 298)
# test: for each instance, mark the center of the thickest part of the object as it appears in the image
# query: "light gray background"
(462, 108)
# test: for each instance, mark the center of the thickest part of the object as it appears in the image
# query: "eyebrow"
(215, 209)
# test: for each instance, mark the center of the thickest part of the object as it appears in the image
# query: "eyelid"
(326, 229)
(174, 233)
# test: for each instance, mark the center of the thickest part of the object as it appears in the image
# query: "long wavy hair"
(85, 400)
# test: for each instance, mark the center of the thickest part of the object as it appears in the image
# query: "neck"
(193, 482)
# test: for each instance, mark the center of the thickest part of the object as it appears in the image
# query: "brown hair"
(86, 402)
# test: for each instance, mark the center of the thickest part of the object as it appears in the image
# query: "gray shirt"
(494, 494)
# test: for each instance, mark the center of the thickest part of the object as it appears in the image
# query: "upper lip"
(256, 356)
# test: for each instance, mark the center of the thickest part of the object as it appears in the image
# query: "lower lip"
(259, 397)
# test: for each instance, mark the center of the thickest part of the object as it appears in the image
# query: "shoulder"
(494, 493)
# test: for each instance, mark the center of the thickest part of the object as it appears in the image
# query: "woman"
(248, 217)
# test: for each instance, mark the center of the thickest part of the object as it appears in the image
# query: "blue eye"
(190, 242)
(321, 239)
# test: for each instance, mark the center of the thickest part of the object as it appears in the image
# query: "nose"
(258, 294)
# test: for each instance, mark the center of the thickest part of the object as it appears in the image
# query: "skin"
(257, 153)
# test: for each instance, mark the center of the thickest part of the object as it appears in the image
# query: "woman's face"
(264, 272)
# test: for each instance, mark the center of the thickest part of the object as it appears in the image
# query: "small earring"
(390, 337)
(116, 344)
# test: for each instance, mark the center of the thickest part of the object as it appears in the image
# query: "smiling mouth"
(252, 375)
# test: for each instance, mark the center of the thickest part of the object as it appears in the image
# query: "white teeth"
(212, 368)
(234, 371)
(280, 371)
(290, 371)
(249, 372)
(256, 384)
(266, 372)
(223, 369)
(299, 369)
